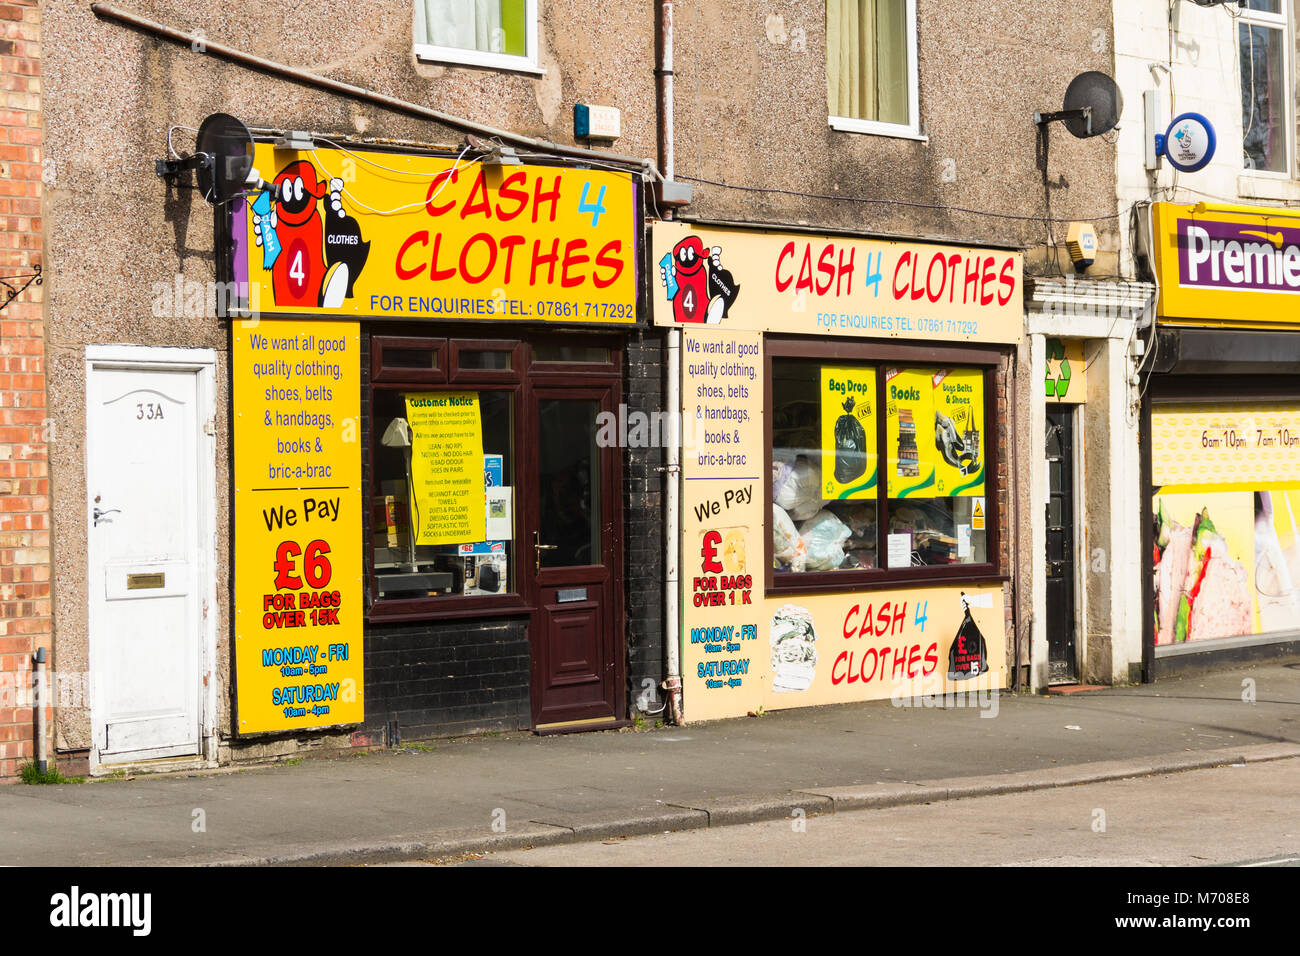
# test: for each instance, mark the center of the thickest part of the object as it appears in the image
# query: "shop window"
(1263, 40)
(500, 34)
(410, 360)
(871, 70)
(442, 508)
(571, 354)
(879, 470)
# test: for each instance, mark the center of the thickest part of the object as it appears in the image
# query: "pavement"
(512, 791)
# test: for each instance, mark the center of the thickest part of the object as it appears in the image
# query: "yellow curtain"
(866, 59)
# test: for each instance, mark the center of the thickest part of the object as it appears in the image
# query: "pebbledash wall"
(115, 96)
(754, 138)
(25, 431)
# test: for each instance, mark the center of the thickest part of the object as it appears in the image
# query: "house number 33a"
(148, 411)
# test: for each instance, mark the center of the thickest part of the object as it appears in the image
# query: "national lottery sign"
(405, 236)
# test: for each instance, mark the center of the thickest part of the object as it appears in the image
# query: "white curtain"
(866, 59)
(460, 24)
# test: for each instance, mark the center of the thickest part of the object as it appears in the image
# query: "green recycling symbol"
(1057, 387)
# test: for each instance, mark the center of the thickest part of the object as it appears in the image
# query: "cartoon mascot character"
(699, 288)
(313, 262)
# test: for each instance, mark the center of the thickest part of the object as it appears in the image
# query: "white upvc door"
(149, 518)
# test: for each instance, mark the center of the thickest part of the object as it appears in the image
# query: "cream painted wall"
(1200, 52)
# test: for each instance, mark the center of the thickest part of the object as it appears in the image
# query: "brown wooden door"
(572, 555)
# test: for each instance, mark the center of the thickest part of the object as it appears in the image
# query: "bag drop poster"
(848, 428)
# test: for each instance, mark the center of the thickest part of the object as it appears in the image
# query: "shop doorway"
(572, 556)
(150, 546)
(1063, 667)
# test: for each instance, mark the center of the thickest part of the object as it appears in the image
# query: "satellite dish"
(1093, 104)
(227, 148)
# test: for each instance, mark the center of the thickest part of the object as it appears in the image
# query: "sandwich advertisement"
(1227, 549)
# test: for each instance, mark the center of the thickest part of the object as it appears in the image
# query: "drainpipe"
(672, 529)
(38, 683)
(1014, 471)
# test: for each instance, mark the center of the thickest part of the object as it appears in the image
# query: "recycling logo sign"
(1064, 366)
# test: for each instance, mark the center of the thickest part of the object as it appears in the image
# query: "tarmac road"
(1229, 815)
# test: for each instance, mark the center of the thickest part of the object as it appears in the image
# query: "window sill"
(447, 56)
(1266, 185)
(846, 124)
(931, 577)
(448, 608)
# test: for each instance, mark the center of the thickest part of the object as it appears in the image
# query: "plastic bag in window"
(824, 535)
(799, 490)
(787, 547)
(850, 446)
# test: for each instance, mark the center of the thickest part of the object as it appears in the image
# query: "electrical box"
(597, 122)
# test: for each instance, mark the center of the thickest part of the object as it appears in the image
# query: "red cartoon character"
(314, 262)
(699, 288)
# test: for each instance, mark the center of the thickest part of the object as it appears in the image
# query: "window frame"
(524, 374)
(397, 380)
(879, 356)
(455, 56)
(1281, 21)
(910, 130)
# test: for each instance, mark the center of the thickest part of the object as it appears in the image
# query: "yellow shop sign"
(1228, 265)
(405, 236)
(759, 281)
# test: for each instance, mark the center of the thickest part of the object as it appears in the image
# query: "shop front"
(427, 527)
(1222, 469)
(844, 473)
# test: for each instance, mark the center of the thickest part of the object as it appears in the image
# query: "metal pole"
(42, 765)
(672, 529)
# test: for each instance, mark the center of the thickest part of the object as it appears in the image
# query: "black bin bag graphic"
(968, 656)
(850, 446)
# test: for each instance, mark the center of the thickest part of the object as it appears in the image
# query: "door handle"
(538, 547)
(97, 514)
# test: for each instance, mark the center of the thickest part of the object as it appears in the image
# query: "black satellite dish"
(1097, 95)
(1093, 104)
(228, 148)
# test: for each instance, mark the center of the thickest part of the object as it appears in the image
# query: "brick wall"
(24, 474)
(447, 678)
(643, 551)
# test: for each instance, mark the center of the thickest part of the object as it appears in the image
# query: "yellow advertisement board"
(909, 427)
(446, 467)
(406, 236)
(1227, 550)
(298, 525)
(1246, 446)
(1225, 265)
(766, 281)
(850, 466)
(724, 495)
(958, 446)
(933, 426)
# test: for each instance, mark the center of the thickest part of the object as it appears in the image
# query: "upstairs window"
(871, 74)
(1263, 38)
(500, 34)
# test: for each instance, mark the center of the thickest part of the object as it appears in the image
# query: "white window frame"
(1277, 21)
(527, 63)
(912, 130)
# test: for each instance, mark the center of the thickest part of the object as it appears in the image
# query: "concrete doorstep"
(568, 827)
